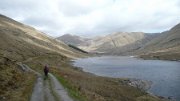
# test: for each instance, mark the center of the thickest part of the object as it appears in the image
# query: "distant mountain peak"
(72, 39)
(106, 43)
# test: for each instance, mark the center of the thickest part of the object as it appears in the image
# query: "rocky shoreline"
(140, 84)
(145, 85)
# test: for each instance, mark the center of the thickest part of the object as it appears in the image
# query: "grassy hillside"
(23, 41)
(16, 85)
(19, 42)
(166, 46)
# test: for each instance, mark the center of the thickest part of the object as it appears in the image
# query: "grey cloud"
(72, 10)
(38, 21)
(94, 17)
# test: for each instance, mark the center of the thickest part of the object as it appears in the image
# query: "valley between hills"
(165, 45)
(20, 43)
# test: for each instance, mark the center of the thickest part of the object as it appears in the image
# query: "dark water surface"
(165, 75)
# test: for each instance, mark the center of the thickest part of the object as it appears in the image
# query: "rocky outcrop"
(141, 84)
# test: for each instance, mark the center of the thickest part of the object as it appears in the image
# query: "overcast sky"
(94, 17)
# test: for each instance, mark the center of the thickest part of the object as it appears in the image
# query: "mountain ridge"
(136, 43)
(16, 37)
(106, 44)
(164, 46)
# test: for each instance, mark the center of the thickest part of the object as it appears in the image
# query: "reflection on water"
(165, 75)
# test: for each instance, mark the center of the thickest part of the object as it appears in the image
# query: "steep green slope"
(165, 46)
(22, 41)
(18, 43)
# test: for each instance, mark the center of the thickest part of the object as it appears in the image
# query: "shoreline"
(144, 57)
(156, 57)
(143, 85)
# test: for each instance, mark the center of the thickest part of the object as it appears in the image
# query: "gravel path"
(38, 92)
(48, 93)
(42, 90)
(59, 89)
